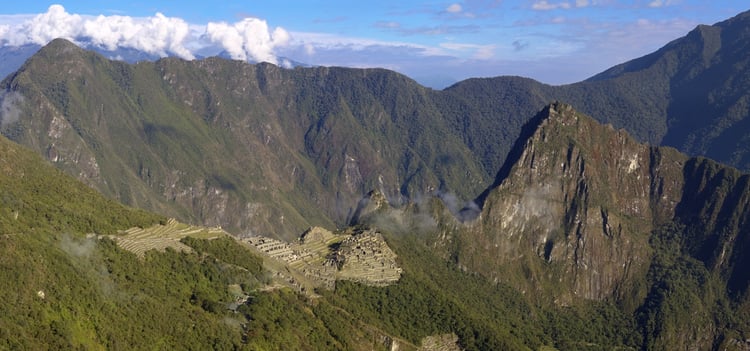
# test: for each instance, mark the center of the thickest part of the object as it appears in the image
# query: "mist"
(10, 110)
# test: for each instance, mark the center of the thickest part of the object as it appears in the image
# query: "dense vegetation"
(440, 298)
(37, 197)
(72, 291)
(63, 290)
(256, 148)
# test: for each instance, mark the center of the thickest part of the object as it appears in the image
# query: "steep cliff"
(582, 212)
(575, 209)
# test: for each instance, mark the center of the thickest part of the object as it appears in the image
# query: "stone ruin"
(320, 258)
(366, 258)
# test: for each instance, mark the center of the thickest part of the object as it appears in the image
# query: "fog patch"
(410, 216)
(76, 248)
(398, 221)
(534, 206)
(463, 210)
(535, 203)
(10, 107)
(84, 257)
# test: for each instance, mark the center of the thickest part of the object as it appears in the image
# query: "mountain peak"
(60, 46)
(58, 53)
(581, 196)
(562, 113)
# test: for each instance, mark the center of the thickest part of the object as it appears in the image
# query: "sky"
(434, 42)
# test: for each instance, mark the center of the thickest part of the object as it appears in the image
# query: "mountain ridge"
(309, 137)
(351, 136)
(587, 213)
(585, 237)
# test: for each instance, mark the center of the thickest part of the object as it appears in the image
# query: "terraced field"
(160, 237)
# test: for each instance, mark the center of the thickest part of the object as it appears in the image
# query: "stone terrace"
(160, 237)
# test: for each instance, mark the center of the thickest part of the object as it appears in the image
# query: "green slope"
(67, 289)
(253, 148)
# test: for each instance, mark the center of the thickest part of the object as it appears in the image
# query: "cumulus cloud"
(248, 39)
(158, 35)
(55, 23)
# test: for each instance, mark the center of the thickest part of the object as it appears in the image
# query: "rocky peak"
(578, 201)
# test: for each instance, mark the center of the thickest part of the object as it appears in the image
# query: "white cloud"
(660, 3)
(158, 35)
(454, 8)
(544, 5)
(248, 39)
(55, 23)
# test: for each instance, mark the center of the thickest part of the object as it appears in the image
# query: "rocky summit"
(580, 209)
(577, 206)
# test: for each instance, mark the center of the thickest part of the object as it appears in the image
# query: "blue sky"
(435, 42)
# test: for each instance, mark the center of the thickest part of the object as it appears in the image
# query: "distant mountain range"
(520, 223)
(196, 130)
(13, 57)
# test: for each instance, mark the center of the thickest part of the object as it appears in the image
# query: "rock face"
(583, 212)
(574, 209)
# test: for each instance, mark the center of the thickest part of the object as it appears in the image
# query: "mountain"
(690, 94)
(66, 289)
(579, 236)
(583, 212)
(13, 57)
(227, 143)
(74, 278)
(253, 148)
(588, 239)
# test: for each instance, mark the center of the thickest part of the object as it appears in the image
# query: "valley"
(217, 204)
